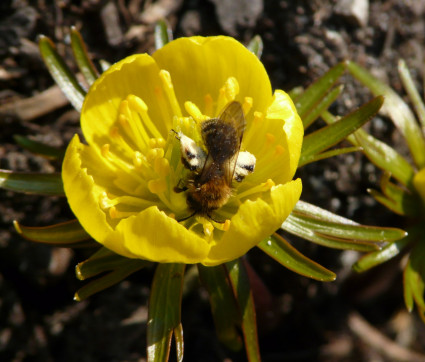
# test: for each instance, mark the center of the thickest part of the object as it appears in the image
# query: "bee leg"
(187, 217)
(180, 187)
(217, 221)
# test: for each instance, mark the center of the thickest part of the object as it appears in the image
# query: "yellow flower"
(121, 185)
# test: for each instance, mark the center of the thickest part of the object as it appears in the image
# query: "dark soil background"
(356, 318)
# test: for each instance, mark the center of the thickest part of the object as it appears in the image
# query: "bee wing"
(233, 114)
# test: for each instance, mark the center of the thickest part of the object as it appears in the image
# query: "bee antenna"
(177, 134)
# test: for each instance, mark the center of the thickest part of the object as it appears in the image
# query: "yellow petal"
(254, 221)
(138, 75)
(200, 66)
(419, 183)
(83, 196)
(152, 235)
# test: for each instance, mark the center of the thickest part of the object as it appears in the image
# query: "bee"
(210, 185)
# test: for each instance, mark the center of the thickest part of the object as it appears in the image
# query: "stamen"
(138, 159)
(221, 101)
(279, 150)
(270, 138)
(138, 105)
(169, 91)
(116, 214)
(208, 229)
(104, 150)
(162, 167)
(194, 111)
(222, 226)
(208, 105)
(154, 153)
(231, 87)
(134, 130)
(263, 187)
(157, 142)
(157, 186)
(247, 105)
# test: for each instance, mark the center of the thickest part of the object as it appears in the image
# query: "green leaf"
(256, 46)
(85, 64)
(397, 199)
(386, 158)
(284, 253)
(334, 152)
(414, 276)
(226, 314)
(64, 234)
(60, 72)
(39, 148)
(391, 250)
(411, 90)
(110, 279)
(322, 106)
(242, 291)
(105, 260)
(320, 140)
(32, 183)
(315, 92)
(396, 109)
(164, 310)
(163, 34)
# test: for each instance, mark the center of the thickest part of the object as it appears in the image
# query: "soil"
(304, 320)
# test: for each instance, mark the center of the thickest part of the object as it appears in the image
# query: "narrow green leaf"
(333, 153)
(397, 199)
(415, 274)
(352, 232)
(65, 234)
(411, 90)
(32, 183)
(105, 260)
(39, 148)
(164, 310)
(315, 92)
(85, 64)
(396, 109)
(242, 291)
(61, 73)
(409, 301)
(163, 34)
(386, 158)
(284, 253)
(178, 337)
(305, 230)
(256, 46)
(108, 280)
(322, 106)
(322, 139)
(295, 93)
(226, 314)
(391, 250)
(304, 208)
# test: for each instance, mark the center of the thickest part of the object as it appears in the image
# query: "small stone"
(354, 11)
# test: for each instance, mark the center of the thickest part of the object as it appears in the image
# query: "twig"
(380, 342)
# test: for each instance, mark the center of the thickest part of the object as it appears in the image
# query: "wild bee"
(210, 185)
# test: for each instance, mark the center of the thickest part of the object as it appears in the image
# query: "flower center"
(147, 162)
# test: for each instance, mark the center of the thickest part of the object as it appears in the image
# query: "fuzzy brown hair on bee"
(210, 185)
